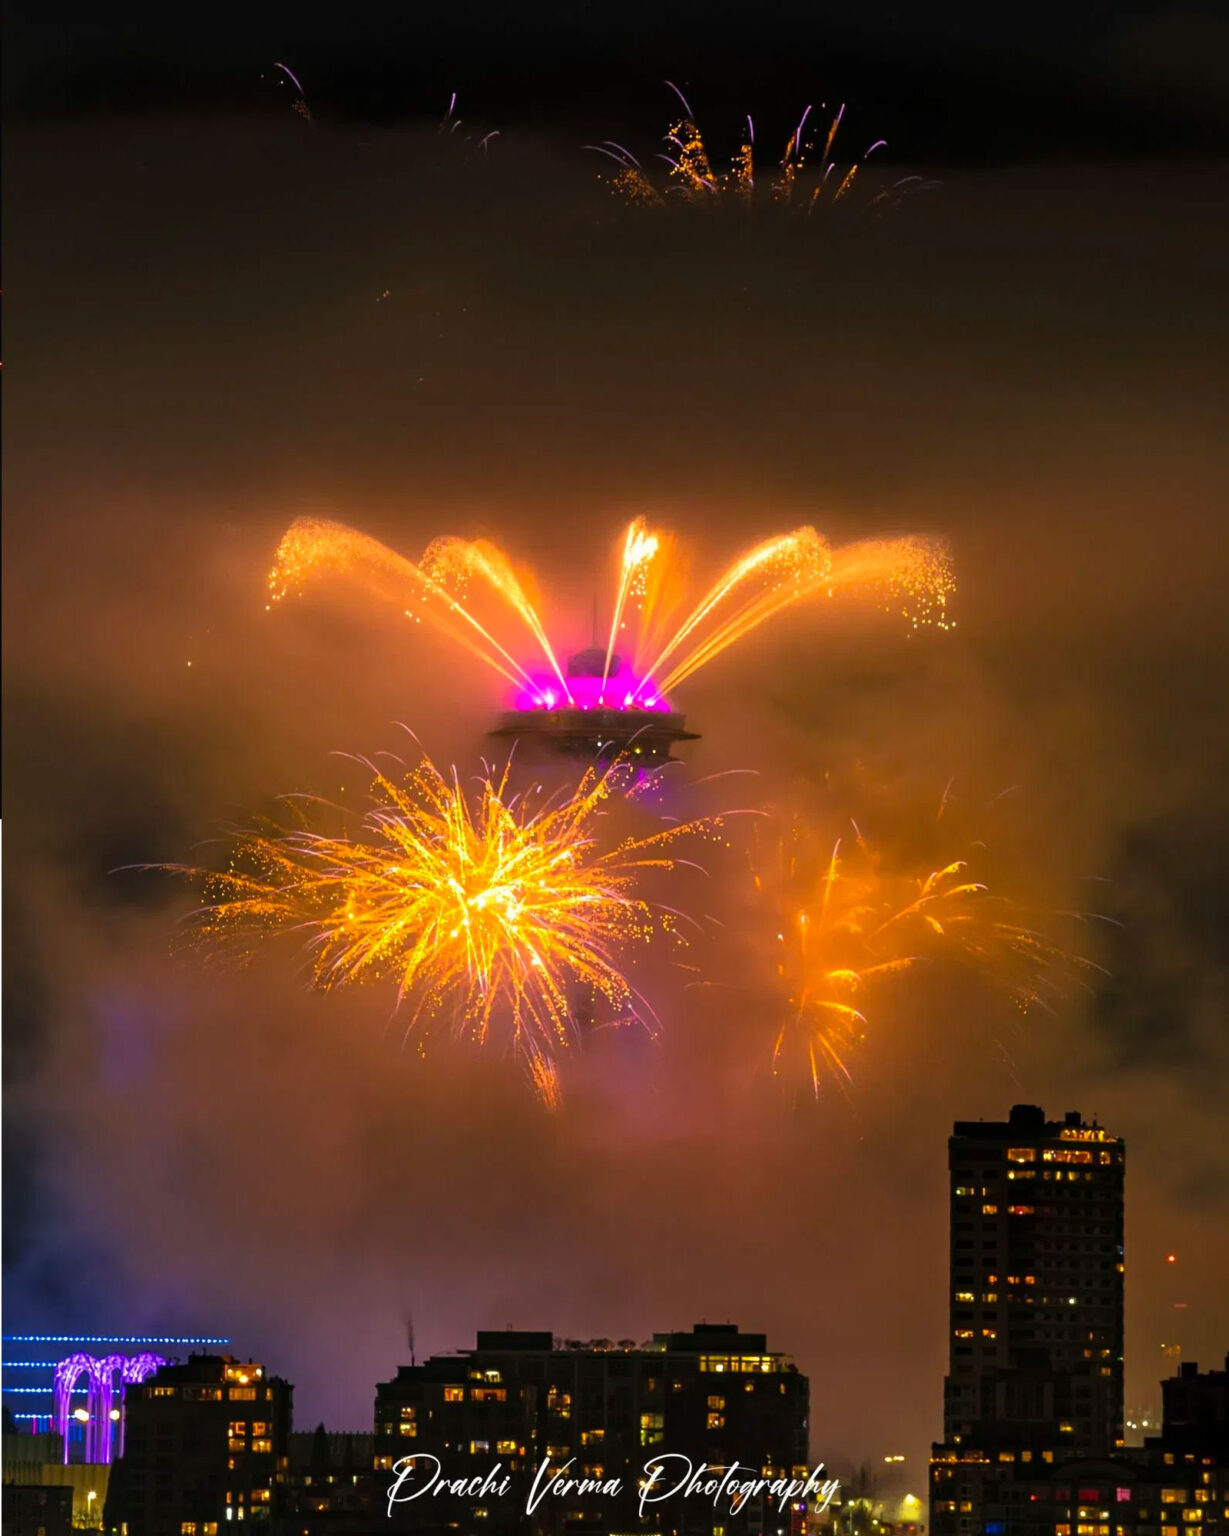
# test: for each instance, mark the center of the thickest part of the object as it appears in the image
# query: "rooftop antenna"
(409, 1336)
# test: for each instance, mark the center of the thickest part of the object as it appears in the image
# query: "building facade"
(1036, 1298)
(595, 1410)
(206, 1448)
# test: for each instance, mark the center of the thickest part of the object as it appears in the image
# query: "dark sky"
(220, 317)
(957, 81)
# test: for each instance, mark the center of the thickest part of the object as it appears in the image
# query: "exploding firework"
(851, 921)
(503, 922)
(800, 179)
(657, 639)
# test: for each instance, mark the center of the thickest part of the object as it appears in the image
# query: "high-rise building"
(715, 1395)
(1036, 1314)
(205, 1448)
(1036, 1300)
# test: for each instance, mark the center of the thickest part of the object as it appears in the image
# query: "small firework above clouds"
(807, 177)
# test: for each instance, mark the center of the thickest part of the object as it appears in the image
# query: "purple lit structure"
(104, 1404)
(606, 713)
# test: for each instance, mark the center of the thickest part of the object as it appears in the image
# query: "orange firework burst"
(490, 916)
(849, 924)
(470, 591)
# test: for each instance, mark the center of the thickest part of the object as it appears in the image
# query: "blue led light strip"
(103, 1338)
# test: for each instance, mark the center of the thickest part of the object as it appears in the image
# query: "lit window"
(652, 1428)
(454, 1394)
(716, 1402)
(242, 1394)
(716, 1421)
(506, 1447)
(408, 1427)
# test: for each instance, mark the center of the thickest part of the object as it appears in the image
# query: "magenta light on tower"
(599, 711)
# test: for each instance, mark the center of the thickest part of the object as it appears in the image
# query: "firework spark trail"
(855, 923)
(489, 915)
(910, 576)
(791, 564)
(450, 561)
(312, 547)
(639, 548)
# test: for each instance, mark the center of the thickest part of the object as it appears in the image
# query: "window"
(479, 1447)
(454, 1394)
(243, 1373)
(652, 1428)
(242, 1394)
(716, 1402)
(408, 1427)
(716, 1421)
(506, 1447)
(187, 1528)
(1021, 1154)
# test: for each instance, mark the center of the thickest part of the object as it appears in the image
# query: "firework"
(850, 923)
(800, 179)
(492, 918)
(470, 591)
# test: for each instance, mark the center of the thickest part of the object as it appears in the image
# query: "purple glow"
(100, 1441)
(619, 691)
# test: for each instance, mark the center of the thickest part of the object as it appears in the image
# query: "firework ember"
(470, 591)
(492, 918)
(849, 925)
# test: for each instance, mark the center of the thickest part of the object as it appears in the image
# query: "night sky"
(221, 316)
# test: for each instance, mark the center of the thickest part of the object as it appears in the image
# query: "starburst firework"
(851, 921)
(492, 917)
